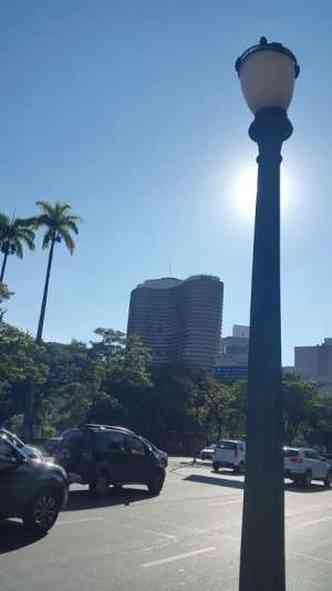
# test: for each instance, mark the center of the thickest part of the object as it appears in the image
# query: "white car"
(302, 465)
(208, 452)
(230, 453)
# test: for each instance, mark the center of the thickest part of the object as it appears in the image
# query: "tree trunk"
(45, 294)
(4, 263)
(30, 394)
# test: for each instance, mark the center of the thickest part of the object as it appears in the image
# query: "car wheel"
(241, 468)
(328, 480)
(99, 487)
(307, 478)
(156, 484)
(215, 466)
(43, 512)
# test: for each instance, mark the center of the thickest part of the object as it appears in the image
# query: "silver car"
(302, 465)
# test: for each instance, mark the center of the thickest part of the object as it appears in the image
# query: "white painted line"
(314, 558)
(178, 557)
(313, 522)
(85, 520)
(161, 534)
(221, 503)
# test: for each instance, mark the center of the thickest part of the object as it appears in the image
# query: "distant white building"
(241, 331)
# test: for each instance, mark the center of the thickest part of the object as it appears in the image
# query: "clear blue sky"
(132, 112)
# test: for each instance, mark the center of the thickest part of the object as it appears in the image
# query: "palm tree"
(59, 224)
(14, 235)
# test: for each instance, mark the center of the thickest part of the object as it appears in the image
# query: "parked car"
(207, 452)
(32, 452)
(230, 453)
(302, 465)
(163, 455)
(101, 455)
(30, 489)
(51, 444)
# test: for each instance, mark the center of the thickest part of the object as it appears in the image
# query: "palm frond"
(48, 238)
(4, 220)
(58, 221)
(31, 222)
(27, 236)
(69, 242)
(72, 226)
(46, 207)
(18, 248)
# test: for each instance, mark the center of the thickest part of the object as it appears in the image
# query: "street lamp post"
(267, 73)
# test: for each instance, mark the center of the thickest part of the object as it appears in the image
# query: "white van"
(230, 453)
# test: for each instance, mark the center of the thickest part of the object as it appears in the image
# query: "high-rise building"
(315, 363)
(234, 350)
(179, 320)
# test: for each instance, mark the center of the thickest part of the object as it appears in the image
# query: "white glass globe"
(267, 79)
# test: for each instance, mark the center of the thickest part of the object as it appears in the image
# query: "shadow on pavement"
(290, 487)
(214, 480)
(82, 499)
(14, 536)
(315, 488)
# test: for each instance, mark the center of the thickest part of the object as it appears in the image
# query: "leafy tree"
(106, 409)
(218, 399)
(5, 294)
(15, 234)
(298, 398)
(21, 365)
(131, 365)
(113, 341)
(236, 420)
(59, 224)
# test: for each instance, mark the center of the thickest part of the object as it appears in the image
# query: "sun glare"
(244, 191)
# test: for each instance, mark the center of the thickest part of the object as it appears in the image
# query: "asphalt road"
(187, 538)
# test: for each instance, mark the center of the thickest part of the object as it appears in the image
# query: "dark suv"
(31, 489)
(101, 455)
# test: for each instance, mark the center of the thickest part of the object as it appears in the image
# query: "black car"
(30, 489)
(101, 455)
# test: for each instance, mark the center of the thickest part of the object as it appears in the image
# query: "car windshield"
(227, 445)
(291, 453)
(15, 440)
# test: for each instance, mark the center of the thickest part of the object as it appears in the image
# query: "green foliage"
(298, 398)
(21, 364)
(217, 406)
(59, 223)
(112, 381)
(15, 233)
(5, 295)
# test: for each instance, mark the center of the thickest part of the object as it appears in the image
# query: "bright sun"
(244, 191)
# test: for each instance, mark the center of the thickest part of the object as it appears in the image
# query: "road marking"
(315, 558)
(161, 534)
(221, 503)
(73, 521)
(313, 522)
(178, 557)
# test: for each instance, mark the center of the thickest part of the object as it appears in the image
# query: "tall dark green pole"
(263, 546)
